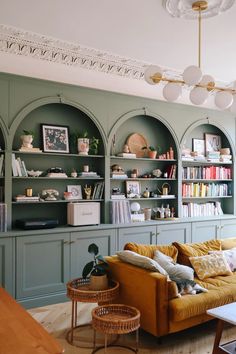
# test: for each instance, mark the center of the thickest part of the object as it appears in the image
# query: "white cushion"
(230, 256)
(140, 261)
(174, 270)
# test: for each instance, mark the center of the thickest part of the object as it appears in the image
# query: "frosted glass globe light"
(223, 99)
(151, 71)
(192, 75)
(172, 91)
(208, 80)
(135, 207)
(198, 95)
(233, 106)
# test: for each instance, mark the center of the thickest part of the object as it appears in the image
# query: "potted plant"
(83, 144)
(151, 151)
(96, 269)
(27, 137)
(93, 146)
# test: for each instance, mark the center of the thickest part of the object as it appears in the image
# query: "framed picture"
(55, 138)
(76, 191)
(199, 146)
(213, 142)
(132, 188)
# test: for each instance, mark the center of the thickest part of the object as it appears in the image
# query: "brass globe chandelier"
(201, 86)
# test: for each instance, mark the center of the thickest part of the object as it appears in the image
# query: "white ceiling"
(138, 29)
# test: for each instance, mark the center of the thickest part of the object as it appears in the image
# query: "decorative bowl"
(33, 173)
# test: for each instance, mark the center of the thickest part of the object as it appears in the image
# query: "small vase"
(83, 146)
(98, 282)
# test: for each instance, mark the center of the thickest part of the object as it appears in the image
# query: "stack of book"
(120, 212)
(197, 210)
(226, 158)
(127, 155)
(118, 196)
(213, 156)
(57, 175)
(3, 217)
(170, 171)
(18, 167)
(33, 149)
(23, 198)
(88, 174)
(118, 175)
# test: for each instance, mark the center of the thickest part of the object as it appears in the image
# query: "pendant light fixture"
(201, 86)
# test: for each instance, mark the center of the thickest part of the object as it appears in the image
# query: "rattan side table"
(78, 291)
(115, 319)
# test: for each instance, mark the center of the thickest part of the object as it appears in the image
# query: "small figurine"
(87, 191)
(126, 149)
(73, 173)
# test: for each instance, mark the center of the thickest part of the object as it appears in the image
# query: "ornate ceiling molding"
(19, 42)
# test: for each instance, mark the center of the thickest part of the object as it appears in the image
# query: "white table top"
(226, 313)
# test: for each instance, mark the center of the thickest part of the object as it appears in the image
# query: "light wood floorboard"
(199, 340)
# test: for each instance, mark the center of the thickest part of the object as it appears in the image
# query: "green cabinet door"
(104, 239)
(138, 234)
(42, 264)
(7, 264)
(168, 233)
(228, 228)
(205, 230)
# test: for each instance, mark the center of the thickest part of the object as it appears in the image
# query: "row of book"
(190, 190)
(1, 165)
(206, 209)
(98, 190)
(18, 167)
(120, 212)
(170, 171)
(206, 172)
(3, 217)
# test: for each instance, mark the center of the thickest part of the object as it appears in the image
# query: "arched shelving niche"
(207, 181)
(2, 168)
(159, 135)
(77, 122)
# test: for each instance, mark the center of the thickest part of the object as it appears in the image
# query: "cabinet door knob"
(153, 234)
(66, 242)
(71, 242)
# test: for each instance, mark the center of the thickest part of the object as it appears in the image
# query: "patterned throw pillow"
(210, 266)
(140, 261)
(230, 256)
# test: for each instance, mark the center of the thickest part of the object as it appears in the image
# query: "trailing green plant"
(150, 148)
(93, 146)
(98, 266)
(28, 132)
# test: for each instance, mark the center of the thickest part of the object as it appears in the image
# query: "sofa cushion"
(174, 270)
(195, 249)
(222, 290)
(210, 265)
(140, 261)
(228, 243)
(148, 250)
(230, 256)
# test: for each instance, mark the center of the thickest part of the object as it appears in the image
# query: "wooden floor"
(199, 340)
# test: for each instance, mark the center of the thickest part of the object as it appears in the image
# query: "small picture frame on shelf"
(199, 146)
(212, 142)
(132, 189)
(75, 190)
(55, 138)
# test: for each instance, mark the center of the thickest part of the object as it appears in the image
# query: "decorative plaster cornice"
(20, 42)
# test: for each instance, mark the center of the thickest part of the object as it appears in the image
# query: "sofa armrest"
(147, 291)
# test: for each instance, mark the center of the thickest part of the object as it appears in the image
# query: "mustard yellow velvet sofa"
(150, 292)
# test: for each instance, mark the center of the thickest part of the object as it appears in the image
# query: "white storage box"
(83, 213)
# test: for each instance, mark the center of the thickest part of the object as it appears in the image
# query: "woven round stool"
(78, 290)
(115, 319)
